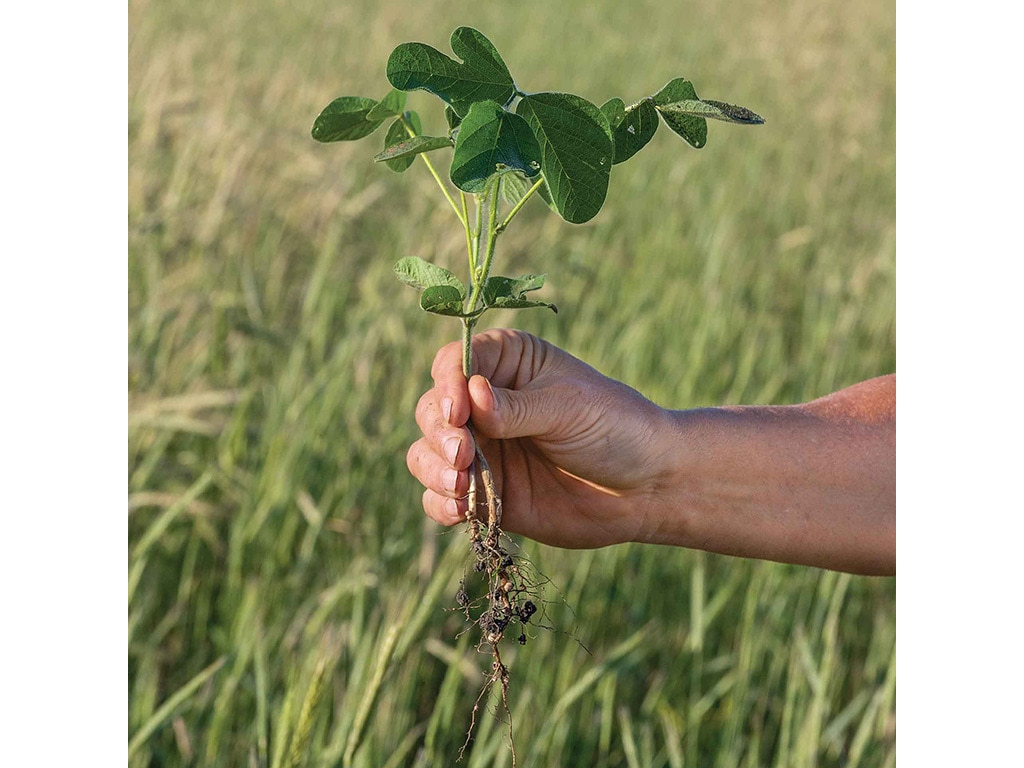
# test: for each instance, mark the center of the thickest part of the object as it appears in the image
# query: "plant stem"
(476, 238)
(444, 189)
(478, 276)
(433, 172)
(518, 206)
(467, 370)
(467, 347)
(492, 228)
(492, 236)
(469, 234)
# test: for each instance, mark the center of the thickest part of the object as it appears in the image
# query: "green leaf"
(492, 140)
(692, 128)
(676, 89)
(632, 127)
(615, 110)
(716, 110)
(390, 106)
(406, 151)
(514, 187)
(510, 292)
(512, 303)
(480, 55)
(576, 151)
(545, 195)
(442, 300)
(397, 134)
(420, 274)
(481, 76)
(414, 66)
(400, 149)
(345, 119)
(452, 117)
(497, 286)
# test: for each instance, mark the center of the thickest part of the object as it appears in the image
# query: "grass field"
(287, 600)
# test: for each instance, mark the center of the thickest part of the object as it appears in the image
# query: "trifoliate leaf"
(420, 274)
(398, 132)
(407, 150)
(480, 55)
(442, 300)
(715, 110)
(576, 151)
(481, 75)
(390, 106)
(492, 140)
(345, 119)
(632, 127)
(510, 292)
(693, 128)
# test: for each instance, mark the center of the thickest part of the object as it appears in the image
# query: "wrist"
(668, 506)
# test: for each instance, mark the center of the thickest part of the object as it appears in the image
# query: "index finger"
(450, 384)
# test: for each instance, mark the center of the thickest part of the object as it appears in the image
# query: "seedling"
(508, 145)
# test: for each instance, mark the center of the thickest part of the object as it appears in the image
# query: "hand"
(576, 465)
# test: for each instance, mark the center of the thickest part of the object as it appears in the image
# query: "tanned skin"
(583, 461)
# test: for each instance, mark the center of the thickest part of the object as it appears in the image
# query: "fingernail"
(446, 409)
(448, 478)
(451, 449)
(452, 508)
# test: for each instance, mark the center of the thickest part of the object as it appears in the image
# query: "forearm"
(813, 484)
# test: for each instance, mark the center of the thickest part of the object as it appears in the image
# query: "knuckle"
(416, 458)
(423, 411)
(425, 401)
(429, 506)
(444, 358)
(436, 509)
(412, 457)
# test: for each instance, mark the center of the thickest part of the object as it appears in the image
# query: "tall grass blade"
(304, 726)
(168, 708)
(628, 741)
(585, 683)
(370, 694)
(137, 557)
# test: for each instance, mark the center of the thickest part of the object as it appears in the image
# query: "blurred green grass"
(286, 597)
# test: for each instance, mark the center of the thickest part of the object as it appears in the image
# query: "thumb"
(508, 413)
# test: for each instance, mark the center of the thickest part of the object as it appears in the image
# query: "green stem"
(519, 206)
(476, 238)
(469, 235)
(492, 237)
(479, 273)
(447, 194)
(492, 229)
(433, 172)
(467, 347)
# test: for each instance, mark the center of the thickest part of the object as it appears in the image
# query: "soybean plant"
(503, 145)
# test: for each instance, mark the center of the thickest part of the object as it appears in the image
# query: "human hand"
(574, 453)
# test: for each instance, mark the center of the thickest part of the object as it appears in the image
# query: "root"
(499, 674)
(471, 517)
(493, 500)
(509, 599)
